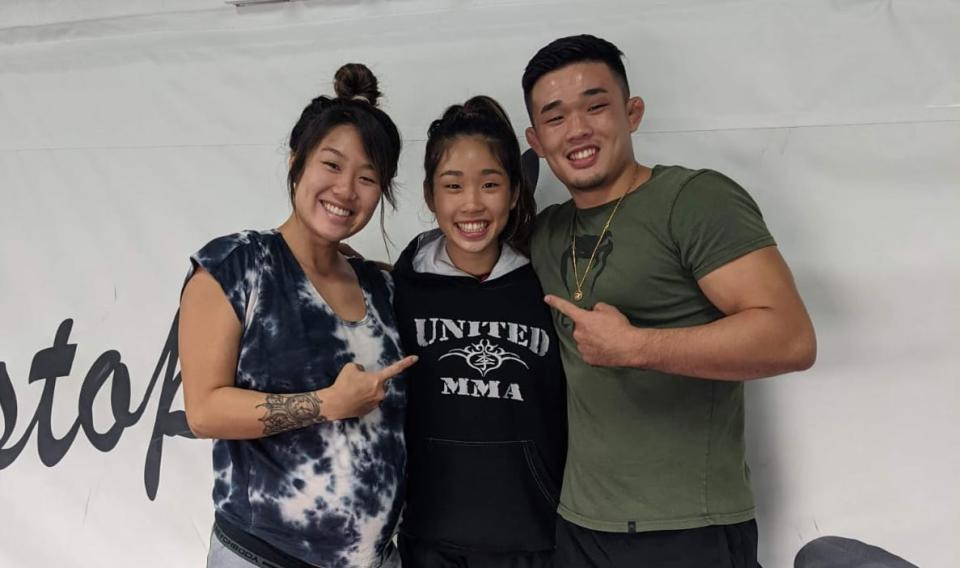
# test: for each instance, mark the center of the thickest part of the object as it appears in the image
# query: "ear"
(635, 108)
(428, 198)
(533, 140)
(290, 160)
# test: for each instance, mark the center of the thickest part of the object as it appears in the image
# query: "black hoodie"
(486, 417)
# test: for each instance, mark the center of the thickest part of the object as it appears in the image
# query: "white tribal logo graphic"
(484, 356)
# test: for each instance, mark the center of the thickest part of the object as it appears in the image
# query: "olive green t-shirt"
(650, 450)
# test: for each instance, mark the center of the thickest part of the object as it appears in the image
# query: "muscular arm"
(766, 330)
(209, 336)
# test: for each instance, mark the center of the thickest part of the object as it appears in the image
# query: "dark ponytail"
(483, 117)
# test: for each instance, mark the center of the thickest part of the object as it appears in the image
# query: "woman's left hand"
(356, 392)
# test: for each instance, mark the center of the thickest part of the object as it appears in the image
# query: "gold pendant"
(577, 296)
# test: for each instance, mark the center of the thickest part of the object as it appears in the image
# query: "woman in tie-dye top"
(290, 357)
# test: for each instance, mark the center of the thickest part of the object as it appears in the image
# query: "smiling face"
(339, 189)
(471, 198)
(581, 125)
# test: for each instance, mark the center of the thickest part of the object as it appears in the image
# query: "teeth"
(338, 211)
(582, 154)
(473, 226)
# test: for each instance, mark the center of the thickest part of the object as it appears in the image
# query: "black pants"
(422, 554)
(717, 546)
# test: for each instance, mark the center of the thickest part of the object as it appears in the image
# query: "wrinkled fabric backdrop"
(133, 132)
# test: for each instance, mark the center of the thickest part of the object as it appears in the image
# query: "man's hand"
(765, 329)
(604, 336)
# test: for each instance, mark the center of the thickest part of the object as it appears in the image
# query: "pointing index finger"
(395, 369)
(563, 306)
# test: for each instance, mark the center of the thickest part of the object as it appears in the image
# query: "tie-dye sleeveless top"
(330, 493)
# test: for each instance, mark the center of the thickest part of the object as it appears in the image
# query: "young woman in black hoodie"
(486, 418)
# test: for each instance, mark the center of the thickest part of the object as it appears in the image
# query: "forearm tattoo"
(290, 411)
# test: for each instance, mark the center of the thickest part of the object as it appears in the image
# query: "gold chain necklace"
(578, 294)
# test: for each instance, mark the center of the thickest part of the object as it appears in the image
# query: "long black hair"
(483, 117)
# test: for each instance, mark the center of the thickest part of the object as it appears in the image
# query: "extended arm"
(766, 330)
(209, 338)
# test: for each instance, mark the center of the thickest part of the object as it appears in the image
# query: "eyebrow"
(344, 156)
(594, 91)
(588, 93)
(484, 172)
(334, 150)
(550, 106)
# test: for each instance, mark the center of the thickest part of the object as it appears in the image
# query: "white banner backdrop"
(132, 134)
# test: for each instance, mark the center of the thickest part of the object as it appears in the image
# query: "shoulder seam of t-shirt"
(733, 252)
(388, 282)
(260, 253)
(692, 174)
(376, 278)
(253, 240)
(254, 244)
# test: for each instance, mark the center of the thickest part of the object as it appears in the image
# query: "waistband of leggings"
(253, 549)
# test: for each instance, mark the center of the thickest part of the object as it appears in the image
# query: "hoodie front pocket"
(480, 495)
(548, 489)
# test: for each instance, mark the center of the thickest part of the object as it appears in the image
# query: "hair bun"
(356, 81)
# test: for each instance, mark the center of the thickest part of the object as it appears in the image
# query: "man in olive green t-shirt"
(669, 292)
